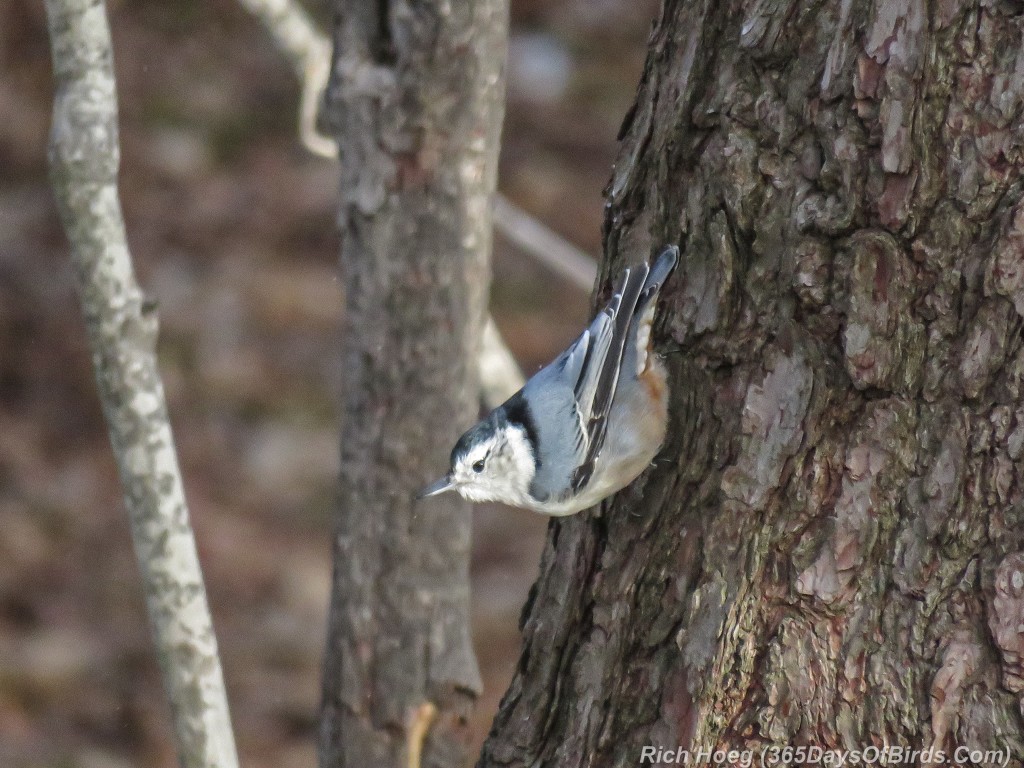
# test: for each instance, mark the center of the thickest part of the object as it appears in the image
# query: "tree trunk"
(415, 102)
(828, 551)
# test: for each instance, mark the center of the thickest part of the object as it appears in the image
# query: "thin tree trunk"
(829, 549)
(122, 330)
(415, 102)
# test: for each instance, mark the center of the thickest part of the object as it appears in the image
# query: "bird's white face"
(497, 467)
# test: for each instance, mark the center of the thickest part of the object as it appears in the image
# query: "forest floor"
(232, 228)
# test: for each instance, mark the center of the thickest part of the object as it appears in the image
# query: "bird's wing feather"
(582, 364)
(573, 365)
(601, 332)
(595, 388)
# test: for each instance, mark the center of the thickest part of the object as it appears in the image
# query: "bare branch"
(122, 329)
(544, 244)
(309, 53)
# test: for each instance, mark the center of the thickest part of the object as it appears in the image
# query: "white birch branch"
(122, 329)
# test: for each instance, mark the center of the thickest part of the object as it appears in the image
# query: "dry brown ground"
(232, 229)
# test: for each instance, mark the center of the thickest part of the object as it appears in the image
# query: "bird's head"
(493, 461)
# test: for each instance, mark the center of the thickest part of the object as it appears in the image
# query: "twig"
(419, 725)
(544, 244)
(309, 53)
(122, 329)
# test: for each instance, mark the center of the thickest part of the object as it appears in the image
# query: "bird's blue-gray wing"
(560, 414)
(571, 398)
(599, 385)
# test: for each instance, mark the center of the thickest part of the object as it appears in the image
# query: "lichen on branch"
(122, 330)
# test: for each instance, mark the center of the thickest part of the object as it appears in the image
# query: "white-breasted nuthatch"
(584, 426)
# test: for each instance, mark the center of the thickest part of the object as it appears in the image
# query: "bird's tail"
(660, 271)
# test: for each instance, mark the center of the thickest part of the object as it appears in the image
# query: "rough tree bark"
(830, 549)
(415, 102)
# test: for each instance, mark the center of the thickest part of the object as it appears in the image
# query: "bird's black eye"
(478, 466)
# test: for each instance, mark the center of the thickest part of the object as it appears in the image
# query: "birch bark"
(122, 329)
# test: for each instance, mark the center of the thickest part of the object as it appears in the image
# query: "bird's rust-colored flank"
(651, 374)
(654, 381)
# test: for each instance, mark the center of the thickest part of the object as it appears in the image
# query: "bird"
(584, 426)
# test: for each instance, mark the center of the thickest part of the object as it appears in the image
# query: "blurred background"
(231, 225)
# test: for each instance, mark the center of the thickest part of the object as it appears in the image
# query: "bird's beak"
(442, 485)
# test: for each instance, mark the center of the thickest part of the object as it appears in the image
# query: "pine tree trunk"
(416, 101)
(829, 551)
